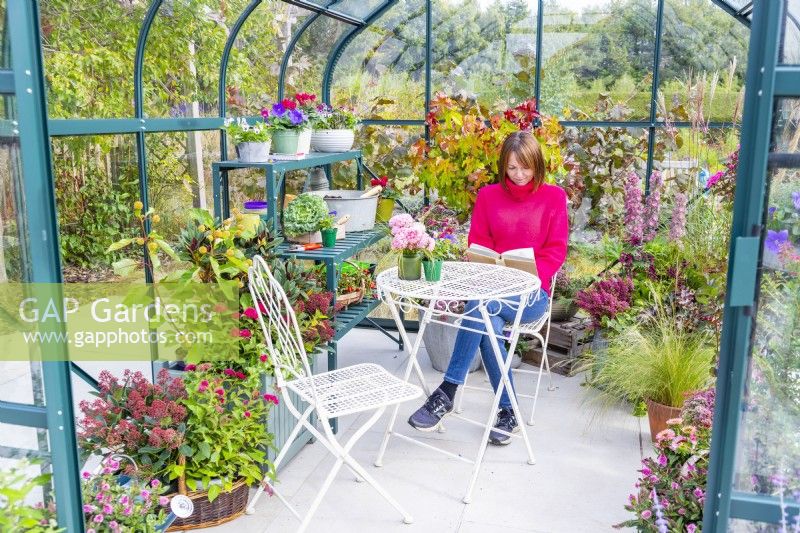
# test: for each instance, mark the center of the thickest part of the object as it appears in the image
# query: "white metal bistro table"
(460, 282)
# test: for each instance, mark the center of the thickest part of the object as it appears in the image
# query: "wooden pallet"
(568, 340)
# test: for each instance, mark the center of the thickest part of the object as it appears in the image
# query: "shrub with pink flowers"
(110, 506)
(141, 419)
(409, 236)
(607, 298)
(227, 417)
(677, 472)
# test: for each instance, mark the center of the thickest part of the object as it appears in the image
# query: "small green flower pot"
(385, 209)
(409, 267)
(285, 141)
(433, 270)
(329, 237)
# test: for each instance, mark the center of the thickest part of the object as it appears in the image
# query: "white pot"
(253, 152)
(332, 140)
(304, 142)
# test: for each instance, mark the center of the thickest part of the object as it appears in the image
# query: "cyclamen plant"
(678, 472)
(409, 236)
(388, 191)
(108, 506)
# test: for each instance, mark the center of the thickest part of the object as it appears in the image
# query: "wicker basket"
(226, 507)
(343, 301)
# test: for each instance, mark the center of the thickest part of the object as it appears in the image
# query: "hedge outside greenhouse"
(400, 265)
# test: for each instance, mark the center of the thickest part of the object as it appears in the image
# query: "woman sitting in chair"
(517, 212)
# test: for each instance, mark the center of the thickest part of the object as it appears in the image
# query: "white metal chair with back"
(532, 329)
(354, 389)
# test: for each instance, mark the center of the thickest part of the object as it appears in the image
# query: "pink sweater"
(504, 220)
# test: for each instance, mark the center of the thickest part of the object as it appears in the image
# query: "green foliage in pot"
(655, 360)
(16, 484)
(331, 118)
(304, 214)
(227, 415)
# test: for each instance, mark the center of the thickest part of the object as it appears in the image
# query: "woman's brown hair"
(525, 146)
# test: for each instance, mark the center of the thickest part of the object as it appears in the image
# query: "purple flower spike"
(296, 117)
(278, 110)
(776, 239)
(771, 211)
(796, 200)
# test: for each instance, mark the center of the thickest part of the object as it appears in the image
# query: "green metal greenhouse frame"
(26, 98)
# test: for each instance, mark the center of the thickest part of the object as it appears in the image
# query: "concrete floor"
(586, 464)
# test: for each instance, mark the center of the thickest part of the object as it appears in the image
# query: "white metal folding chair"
(353, 389)
(532, 329)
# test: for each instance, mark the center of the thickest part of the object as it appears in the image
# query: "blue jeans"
(467, 342)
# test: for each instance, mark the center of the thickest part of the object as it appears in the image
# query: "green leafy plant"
(240, 131)
(16, 515)
(111, 504)
(304, 214)
(656, 360)
(330, 118)
(328, 221)
(446, 249)
(227, 414)
(465, 147)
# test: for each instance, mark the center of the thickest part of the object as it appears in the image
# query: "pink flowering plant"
(113, 504)
(677, 472)
(606, 299)
(143, 420)
(409, 237)
(227, 413)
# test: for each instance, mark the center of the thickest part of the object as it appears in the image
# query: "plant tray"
(568, 340)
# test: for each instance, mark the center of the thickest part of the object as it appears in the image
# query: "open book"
(519, 258)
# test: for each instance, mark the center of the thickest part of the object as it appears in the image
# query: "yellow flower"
(138, 205)
(156, 219)
(140, 241)
(229, 252)
(152, 246)
(201, 228)
(202, 249)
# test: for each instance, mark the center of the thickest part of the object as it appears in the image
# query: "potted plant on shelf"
(389, 195)
(328, 229)
(252, 142)
(334, 129)
(291, 128)
(410, 240)
(657, 362)
(303, 216)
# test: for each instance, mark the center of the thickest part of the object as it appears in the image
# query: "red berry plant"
(143, 420)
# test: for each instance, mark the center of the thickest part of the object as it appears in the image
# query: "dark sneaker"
(507, 422)
(429, 416)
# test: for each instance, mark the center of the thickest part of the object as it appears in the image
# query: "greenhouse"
(400, 265)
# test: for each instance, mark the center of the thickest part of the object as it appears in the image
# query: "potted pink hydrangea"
(410, 239)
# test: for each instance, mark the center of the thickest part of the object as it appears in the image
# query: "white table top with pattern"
(462, 281)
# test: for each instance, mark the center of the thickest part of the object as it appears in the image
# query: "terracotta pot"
(658, 414)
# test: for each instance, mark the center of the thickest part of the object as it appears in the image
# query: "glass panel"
(179, 177)
(703, 56)
(486, 49)
(599, 183)
(597, 47)
(310, 56)
(790, 49)
(748, 526)
(5, 61)
(381, 74)
(689, 157)
(89, 51)
(769, 439)
(254, 64)
(97, 181)
(183, 52)
(357, 8)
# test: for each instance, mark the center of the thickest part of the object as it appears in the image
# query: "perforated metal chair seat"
(354, 389)
(529, 328)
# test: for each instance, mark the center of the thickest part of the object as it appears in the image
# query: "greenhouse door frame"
(767, 80)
